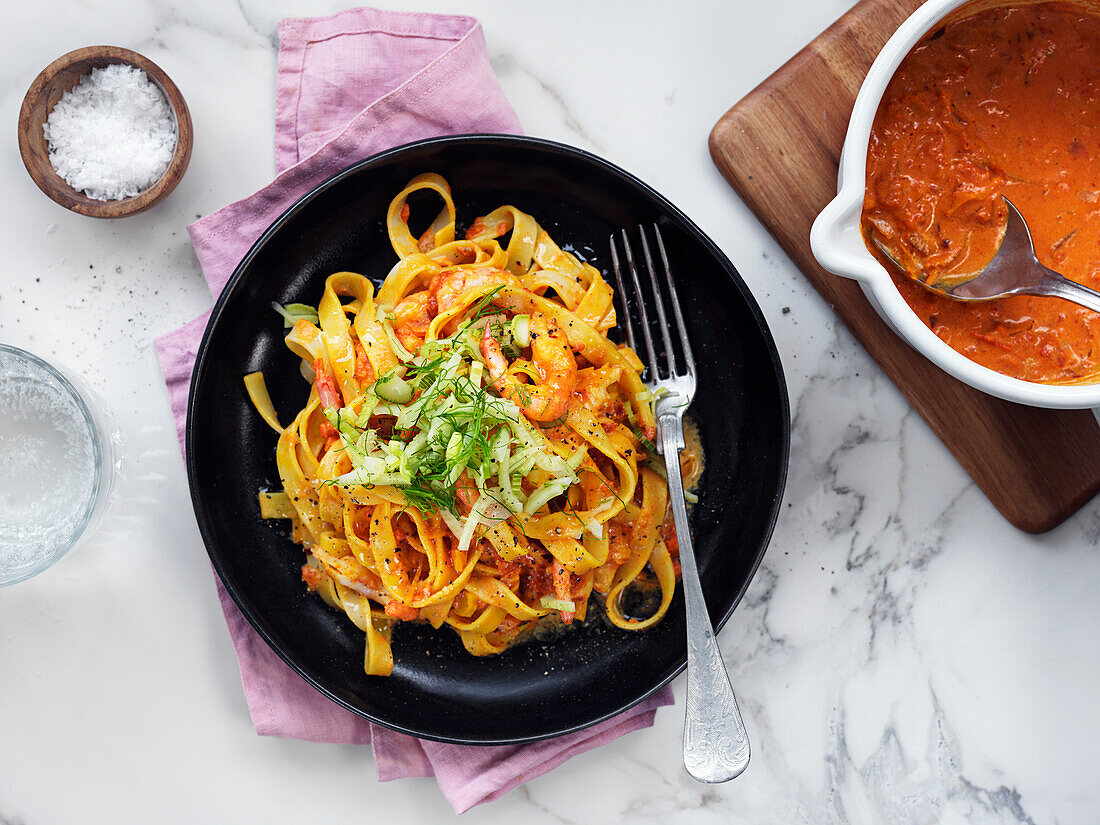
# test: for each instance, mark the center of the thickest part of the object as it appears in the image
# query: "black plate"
(437, 690)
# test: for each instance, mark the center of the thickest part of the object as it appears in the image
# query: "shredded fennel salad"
(449, 429)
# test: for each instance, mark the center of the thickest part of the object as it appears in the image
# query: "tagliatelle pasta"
(474, 452)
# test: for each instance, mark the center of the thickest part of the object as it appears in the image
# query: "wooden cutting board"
(779, 148)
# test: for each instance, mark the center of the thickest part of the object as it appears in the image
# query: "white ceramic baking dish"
(838, 245)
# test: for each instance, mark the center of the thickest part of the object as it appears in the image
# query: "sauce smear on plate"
(1000, 102)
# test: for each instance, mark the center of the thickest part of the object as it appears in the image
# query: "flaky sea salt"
(112, 135)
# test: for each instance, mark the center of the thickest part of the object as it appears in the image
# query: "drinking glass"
(59, 453)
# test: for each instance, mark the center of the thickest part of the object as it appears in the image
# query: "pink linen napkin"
(349, 86)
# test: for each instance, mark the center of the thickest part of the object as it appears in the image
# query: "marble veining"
(902, 655)
(508, 67)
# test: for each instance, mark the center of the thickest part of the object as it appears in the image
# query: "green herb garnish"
(455, 437)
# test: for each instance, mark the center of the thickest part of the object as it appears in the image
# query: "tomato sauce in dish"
(1003, 101)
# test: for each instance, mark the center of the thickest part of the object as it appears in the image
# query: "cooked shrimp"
(364, 372)
(563, 589)
(449, 285)
(402, 611)
(349, 572)
(327, 388)
(411, 319)
(551, 358)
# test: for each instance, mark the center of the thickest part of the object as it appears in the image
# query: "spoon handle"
(1057, 285)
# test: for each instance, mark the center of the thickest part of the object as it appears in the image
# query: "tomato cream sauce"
(1004, 101)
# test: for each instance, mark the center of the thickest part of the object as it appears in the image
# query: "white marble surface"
(903, 655)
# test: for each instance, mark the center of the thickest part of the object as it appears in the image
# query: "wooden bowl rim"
(53, 185)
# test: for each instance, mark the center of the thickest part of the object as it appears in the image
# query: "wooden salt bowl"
(61, 76)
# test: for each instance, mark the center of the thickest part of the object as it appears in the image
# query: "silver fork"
(716, 745)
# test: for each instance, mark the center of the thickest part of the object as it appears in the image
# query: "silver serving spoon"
(1014, 270)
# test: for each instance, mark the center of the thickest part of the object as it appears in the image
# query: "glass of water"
(58, 461)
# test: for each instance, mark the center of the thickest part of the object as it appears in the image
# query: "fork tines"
(676, 363)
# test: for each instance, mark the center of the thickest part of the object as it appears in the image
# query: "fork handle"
(716, 744)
